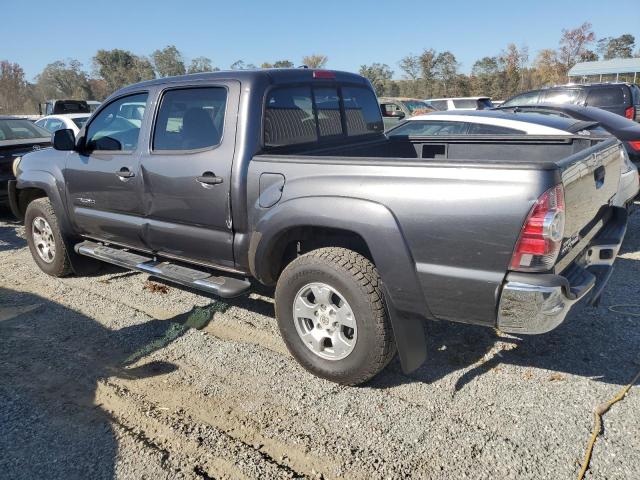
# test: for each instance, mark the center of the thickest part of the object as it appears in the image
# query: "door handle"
(209, 178)
(124, 172)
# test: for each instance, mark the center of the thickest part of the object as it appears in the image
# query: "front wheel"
(45, 240)
(332, 316)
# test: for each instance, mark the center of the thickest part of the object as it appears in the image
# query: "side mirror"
(399, 114)
(64, 139)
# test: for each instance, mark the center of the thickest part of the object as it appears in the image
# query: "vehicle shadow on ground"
(9, 238)
(51, 359)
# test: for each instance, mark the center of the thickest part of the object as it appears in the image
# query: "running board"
(225, 287)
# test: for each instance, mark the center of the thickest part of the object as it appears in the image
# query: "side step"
(225, 287)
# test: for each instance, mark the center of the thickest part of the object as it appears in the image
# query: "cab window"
(190, 119)
(117, 126)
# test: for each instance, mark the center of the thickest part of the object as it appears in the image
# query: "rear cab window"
(305, 115)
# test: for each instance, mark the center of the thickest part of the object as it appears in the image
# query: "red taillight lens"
(541, 235)
(324, 74)
(635, 145)
(630, 113)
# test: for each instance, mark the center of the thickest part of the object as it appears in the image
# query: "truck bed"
(459, 202)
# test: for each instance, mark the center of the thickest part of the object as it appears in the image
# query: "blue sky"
(350, 33)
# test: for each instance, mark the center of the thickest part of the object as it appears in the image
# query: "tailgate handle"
(598, 176)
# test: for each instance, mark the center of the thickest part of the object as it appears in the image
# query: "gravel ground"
(103, 377)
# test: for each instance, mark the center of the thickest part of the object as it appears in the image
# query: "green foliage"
(121, 67)
(617, 47)
(201, 64)
(168, 62)
(64, 80)
(379, 74)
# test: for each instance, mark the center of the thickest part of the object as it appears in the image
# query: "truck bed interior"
(525, 149)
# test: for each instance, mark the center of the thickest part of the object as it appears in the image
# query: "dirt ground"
(119, 376)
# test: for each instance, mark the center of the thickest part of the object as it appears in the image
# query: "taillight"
(635, 145)
(541, 235)
(630, 113)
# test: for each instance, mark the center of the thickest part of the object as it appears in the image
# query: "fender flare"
(46, 182)
(380, 230)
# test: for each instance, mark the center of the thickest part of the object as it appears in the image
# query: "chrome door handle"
(209, 178)
(124, 172)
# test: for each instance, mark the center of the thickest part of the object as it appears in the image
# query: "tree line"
(433, 74)
(428, 74)
(112, 69)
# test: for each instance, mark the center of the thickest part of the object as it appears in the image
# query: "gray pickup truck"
(285, 177)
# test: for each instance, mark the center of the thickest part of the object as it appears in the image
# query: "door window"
(439, 104)
(528, 98)
(388, 109)
(190, 119)
(117, 126)
(55, 124)
(561, 96)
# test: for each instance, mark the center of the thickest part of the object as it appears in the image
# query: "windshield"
(18, 129)
(80, 121)
(418, 107)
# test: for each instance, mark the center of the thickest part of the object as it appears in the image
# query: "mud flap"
(12, 193)
(409, 334)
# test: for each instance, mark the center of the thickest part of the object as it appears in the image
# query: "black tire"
(357, 280)
(60, 265)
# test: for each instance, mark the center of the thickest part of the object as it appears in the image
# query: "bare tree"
(573, 45)
(410, 65)
(13, 88)
(315, 61)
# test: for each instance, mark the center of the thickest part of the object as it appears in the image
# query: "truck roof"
(270, 75)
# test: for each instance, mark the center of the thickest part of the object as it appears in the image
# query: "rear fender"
(378, 227)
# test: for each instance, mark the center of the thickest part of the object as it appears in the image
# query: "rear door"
(187, 173)
(103, 182)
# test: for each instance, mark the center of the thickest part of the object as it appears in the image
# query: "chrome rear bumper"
(533, 303)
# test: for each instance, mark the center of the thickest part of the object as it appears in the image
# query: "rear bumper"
(537, 303)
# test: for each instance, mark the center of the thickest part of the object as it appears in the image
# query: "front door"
(104, 185)
(187, 173)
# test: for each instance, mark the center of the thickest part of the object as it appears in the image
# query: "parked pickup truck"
(285, 177)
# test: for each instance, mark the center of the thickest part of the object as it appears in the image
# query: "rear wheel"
(45, 240)
(332, 316)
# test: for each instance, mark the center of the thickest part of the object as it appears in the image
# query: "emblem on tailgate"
(568, 244)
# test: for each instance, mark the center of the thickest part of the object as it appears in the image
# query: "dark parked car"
(285, 177)
(620, 98)
(627, 131)
(60, 107)
(17, 137)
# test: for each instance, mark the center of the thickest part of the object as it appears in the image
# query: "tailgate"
(590, 179)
